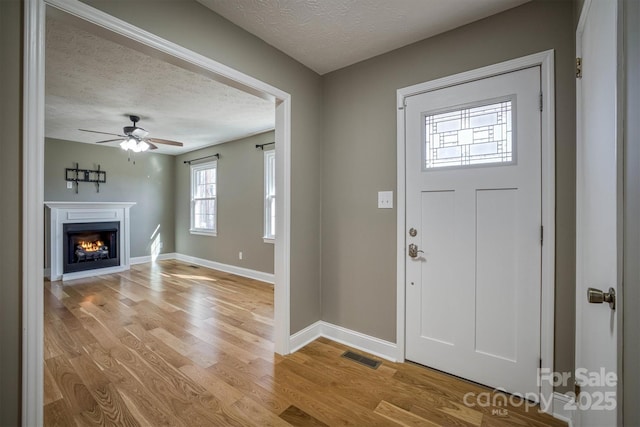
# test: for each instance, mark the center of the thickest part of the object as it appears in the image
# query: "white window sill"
(203, 232)
(269, 240)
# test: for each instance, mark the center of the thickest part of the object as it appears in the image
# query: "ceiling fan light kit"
(134, 145)
(134, 138)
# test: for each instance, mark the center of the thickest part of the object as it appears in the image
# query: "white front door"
(597, 213)
(473, 212)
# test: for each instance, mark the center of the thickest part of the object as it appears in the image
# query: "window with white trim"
(203, 198)
(269, 195)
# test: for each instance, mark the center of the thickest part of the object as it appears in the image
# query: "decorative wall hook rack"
(86, 175)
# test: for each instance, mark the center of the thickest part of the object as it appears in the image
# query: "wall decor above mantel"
(86, 175)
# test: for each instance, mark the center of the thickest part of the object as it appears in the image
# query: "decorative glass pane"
(470, 136)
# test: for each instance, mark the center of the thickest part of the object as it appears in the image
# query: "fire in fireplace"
(89, 246)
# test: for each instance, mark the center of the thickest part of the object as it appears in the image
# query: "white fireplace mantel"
(79, 212)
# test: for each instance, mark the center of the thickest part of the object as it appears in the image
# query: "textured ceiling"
(94, 83)
(326, 35)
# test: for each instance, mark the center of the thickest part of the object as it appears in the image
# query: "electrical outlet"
(385, 199)
(239, 255)
(69, 185)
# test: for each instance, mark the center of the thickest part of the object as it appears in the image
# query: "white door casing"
(473, 297)
(546, 61)
(598, 211)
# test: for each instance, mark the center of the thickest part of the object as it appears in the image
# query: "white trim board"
(150, 258)
(560, 412)
(372, 345)
(33, 178)
(546, 62)
(238, 271)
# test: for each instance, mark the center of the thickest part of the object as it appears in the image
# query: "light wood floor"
(176, 345)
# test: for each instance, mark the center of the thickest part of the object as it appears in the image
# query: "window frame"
(269, 184)
(192, 202)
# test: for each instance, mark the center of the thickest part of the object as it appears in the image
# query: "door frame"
(621, 200)
(33, 178)
(546, 62)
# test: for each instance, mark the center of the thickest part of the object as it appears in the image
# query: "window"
(470, 136)
(269, 196)
(203, 198)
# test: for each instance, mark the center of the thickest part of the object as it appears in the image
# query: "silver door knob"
(596, 296)
(413, 250)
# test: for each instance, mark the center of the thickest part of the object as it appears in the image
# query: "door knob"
(596, 296)
(413, 250)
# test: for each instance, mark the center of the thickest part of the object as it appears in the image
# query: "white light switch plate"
(69, 184)
(385, 199)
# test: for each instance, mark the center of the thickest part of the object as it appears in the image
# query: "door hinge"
(404, 104)
(578, 68)
(541, 234)
(540, 363)
(541, 98)
(576, 390)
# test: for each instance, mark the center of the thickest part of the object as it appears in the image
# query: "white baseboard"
(305, 336)
(149, 258)
(381, 348)
(559, 411)
(239, 271)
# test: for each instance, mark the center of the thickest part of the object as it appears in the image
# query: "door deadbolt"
(596, 296)
(413, 232)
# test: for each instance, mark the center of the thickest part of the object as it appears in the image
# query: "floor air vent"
(363, 360)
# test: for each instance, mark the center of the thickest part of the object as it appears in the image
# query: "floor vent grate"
(363, 360)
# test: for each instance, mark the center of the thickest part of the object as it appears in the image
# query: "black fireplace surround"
(101, 246)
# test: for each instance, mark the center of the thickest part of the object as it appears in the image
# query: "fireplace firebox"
(90, 245)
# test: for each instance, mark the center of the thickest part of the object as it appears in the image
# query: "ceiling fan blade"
(108, 140)
(104, 133)
(151, 146)
(165, 141)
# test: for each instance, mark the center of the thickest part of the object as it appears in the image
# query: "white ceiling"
(94, 83)
(326, 35)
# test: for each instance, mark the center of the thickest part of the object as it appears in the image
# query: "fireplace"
(89, 246)
(85, 239)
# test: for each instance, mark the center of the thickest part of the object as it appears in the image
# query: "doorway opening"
(33, 178)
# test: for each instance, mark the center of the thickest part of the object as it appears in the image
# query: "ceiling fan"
(134, 138)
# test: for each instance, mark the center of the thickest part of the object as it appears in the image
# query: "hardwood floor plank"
(298, 417)
(57, 414)
(167, 344)
(104, 392)
(51, 391)
(400, 416)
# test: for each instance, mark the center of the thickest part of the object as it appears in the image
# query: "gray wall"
(10, 211)
(240, 206)
(359, 159)
(150, 182)
(631, 278)
(195, 27)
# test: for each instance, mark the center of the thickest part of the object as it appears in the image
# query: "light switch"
(385, 199)
(69, 184)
